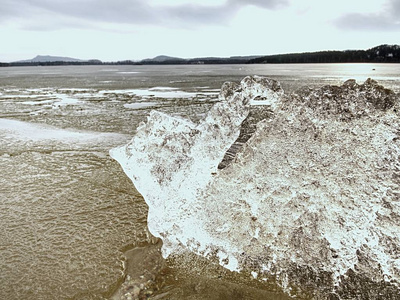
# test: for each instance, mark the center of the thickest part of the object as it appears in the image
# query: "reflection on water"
(71, 221)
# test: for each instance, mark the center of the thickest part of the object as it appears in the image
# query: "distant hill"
(383, 53)
(162, 58)
(49, 58)
(169, 60)
(245, 57)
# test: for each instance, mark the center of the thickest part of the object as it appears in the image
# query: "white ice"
(41, 132)
(139, 105)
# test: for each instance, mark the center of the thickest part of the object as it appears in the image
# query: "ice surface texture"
(309, 196)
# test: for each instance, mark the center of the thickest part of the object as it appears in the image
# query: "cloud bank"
(132, 12)
(386, 20)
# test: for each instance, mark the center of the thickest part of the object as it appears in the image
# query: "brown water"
(72, 226)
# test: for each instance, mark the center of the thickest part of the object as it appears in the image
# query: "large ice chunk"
(310, 196)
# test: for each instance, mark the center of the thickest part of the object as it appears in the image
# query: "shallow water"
(69, 216)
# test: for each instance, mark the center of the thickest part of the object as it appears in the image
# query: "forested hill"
(382, 53)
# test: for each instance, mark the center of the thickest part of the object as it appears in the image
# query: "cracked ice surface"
(313, 193)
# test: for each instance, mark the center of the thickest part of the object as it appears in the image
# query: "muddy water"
(66, 213)
(72, 225)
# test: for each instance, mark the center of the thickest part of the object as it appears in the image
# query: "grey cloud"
(118, 11)
(268, 4)
(395, 5)
(386, 20)
(373, 22)
(131, 11)
(10, 9)
(197, 14)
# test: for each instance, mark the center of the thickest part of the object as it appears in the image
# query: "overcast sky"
(113, 30)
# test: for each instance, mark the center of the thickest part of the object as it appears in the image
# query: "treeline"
(67, 63)
(130, 62)
(381, 54)
(197, 61)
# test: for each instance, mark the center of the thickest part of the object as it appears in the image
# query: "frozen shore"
(309, 198)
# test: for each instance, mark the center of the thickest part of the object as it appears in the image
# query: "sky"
(112, 30)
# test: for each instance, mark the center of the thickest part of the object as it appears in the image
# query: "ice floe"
(310, 198)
